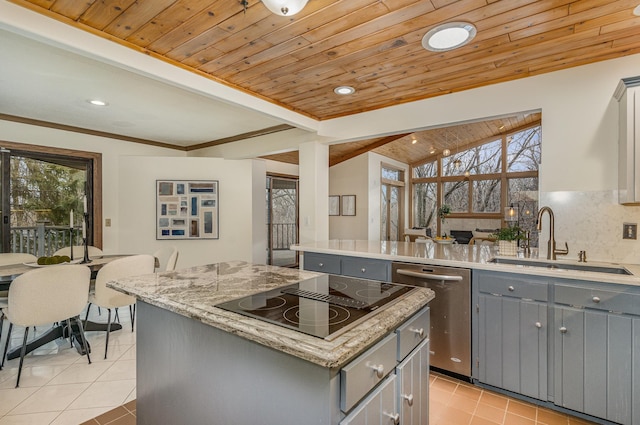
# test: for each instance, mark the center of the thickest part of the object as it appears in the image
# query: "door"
(390, 213)
(5, 205)
(512, 344)
(282, 220)
(413, 387)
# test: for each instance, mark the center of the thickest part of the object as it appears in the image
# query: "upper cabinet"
(628, 96)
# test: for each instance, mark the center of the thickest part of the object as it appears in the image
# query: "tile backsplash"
(591, 222)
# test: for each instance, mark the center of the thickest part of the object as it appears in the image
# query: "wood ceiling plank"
(522, 17)
(46, 4)
(198, 23)
(262, 57)
(199, 43)
(572, 19)
(609, 21)
(582, 5)
(72, 9)
(354, 18)
(325, 17)
(136, 16)
(367, 148)
(102, 13)
(167, 21)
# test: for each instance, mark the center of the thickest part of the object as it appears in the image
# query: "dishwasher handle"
(430, 276)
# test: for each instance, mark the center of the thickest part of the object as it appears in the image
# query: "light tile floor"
(59, 387)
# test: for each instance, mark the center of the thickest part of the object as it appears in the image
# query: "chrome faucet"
(552, 252)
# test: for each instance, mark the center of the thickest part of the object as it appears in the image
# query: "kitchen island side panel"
(192, 374)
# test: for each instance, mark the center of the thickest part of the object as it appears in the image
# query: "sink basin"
(561, 265)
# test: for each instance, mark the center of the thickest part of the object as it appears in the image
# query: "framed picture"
(334, 205)
(348, 204)
(187, 209)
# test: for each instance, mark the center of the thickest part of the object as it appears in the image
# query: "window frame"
(503, 176)
(94, 178)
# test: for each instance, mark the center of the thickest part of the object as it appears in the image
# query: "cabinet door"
(512, 344)
(596, 365)
(413, 387)
(379, 408)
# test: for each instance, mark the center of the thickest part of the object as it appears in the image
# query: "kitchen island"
(198, 363)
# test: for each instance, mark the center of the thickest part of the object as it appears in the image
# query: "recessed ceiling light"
(344, 90)
(432, 151)
(97, 102)
(636, 10)
(448, 36)
(413, 141)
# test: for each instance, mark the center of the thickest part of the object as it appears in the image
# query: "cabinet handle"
(563, 330)
(379, 370)
(320, 264)
(409, 399)
(511, 288)
(538, 325)
(420, 332)
(395, 417)
(363, 270)
(596, 299)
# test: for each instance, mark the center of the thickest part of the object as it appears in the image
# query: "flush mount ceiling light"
(446, 152)
(448, 36)
(285, 7)
(636, 10)
(97, 102)
(344, 90)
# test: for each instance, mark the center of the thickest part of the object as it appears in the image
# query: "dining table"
(9, 272)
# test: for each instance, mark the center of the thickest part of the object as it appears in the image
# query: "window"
(41, 185)
(474, 183)
(391, 211)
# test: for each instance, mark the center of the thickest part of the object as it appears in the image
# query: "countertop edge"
(480, 264)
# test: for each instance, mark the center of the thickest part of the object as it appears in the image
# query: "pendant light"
(285, 7)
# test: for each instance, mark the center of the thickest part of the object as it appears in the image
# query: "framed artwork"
(348, 204)
(187, 209)
(334, 205)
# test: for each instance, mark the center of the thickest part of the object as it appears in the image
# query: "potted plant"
(443, 212)
(508, 238)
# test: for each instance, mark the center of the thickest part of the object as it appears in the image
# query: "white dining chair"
(47, 295)
(78, 251)
(167, 258)
(7, 259)
(109, 298)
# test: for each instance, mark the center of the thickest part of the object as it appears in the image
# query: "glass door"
(5, 201)
(390, 212)
(282, 220)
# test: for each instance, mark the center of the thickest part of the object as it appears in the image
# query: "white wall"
(351, 177)
(238, 200)
(111, 151)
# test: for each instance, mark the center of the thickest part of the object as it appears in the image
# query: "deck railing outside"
(42, 240)
(283, 235)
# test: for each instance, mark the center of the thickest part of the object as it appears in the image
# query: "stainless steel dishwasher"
(450, 332)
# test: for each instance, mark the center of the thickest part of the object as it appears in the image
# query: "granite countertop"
(473, 257)
(194, 292)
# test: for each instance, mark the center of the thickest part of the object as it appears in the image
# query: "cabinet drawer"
(412, 332)
(324, 263)
(618, 298)
(366, 269)
(513, 287)
(364, 373)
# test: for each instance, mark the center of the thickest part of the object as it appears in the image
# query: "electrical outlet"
(107, 222)
(629, 231)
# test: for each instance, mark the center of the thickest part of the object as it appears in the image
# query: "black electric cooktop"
(325, 306)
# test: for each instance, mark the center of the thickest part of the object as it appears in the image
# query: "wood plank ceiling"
(372, 45)
(428, 143)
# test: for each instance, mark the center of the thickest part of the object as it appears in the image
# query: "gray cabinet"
(364, 268)
(377, 408)
(512, 348)
(413, 387)
(597, 355)
(403, 396)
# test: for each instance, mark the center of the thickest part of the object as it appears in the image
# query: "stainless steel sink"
(562, 265)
